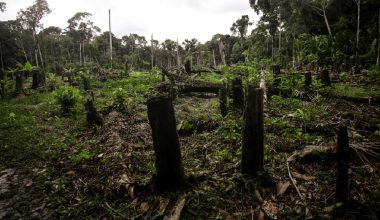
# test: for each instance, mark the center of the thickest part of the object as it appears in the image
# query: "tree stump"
(19, 84)
(308, 80)
(276, 70)
(223, 101)
(325, 77)
(188, 67)
(2, 83)
(170, 174)
(342, 165)
(253, 134)
(237, 92)
(37, 80)
(93, 117)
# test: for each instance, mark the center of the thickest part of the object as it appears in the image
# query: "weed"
(67, 97)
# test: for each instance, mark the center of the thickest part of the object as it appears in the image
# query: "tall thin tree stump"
(276, 75)
(223, 101)
(325, 77)
(237, 92)
(253, 134)
(37, 79)
(342, 165)
(308, 80)
(93, 117)
(19, 84)
(170, 174)
(2, 83)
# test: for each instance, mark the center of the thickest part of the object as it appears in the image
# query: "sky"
(165, 19)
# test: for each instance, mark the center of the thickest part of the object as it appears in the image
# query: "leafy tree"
(240, 26)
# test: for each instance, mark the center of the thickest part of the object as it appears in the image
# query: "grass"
(353, 91)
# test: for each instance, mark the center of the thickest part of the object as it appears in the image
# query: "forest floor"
(54, 166)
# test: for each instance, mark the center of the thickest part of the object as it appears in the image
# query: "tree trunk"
(39, 52)
(272, 48)
(276, 75)
(343, 157)
(2, 83)
(253, 135)
(213, 58)
(222, 54)
(36, 79)
(223, 101)
(357, 27)
(237, 92)
(80, 53)
(327, 22)
(308, 80)
(19, 84)
(325, 77)
(92, 116)
(170, 174)
(378, 43)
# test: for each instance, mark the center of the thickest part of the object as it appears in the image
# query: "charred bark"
(170, 174)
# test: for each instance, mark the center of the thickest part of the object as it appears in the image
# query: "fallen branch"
(292, 180)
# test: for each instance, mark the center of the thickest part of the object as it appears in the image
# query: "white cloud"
(164, 18)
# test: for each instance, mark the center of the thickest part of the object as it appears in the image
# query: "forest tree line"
(297, 33)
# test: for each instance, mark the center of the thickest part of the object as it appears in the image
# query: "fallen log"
(193, 86)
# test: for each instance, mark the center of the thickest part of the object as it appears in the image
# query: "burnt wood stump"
(37, 80)
(308, 80)
(92, 115)
(237, 92)
(276, 70)
(170, 174)
(223, 101)
(325, 77)
(342, 165)
(253, 134)
(19, 84)
(2, 83)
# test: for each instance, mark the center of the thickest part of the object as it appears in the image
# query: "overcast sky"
(184, 19)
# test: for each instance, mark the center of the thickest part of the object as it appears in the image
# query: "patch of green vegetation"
(223, 155)
(67, 97)
(352, 91)
(211, 77)
(230, 131)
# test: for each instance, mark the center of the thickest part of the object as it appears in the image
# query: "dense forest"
(282, 122)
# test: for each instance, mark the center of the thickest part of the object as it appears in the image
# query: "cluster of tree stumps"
(170, 172)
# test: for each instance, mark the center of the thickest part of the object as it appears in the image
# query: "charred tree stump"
(188, 67)
(2, 83)
(93, 117)
(343, 158)
(276, 75)
(325, 77)
(223, 101)
(37, 80)
(237, 92)
(19, 84)
(308, 80)
(170, 174)
(253, 135)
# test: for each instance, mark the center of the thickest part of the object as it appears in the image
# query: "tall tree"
(81, 29)
(240, 26)
(31, 20)
(320, 6)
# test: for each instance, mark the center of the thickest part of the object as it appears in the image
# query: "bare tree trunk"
(213, 57)
(327, 22)
(221, 51)
(83, 53)
(178, 58)
(80, 53)
(357, 27)
(378, 43)
(272, 48)
(110, 32)
(39, 52)
(36, 57)
(151, 52)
